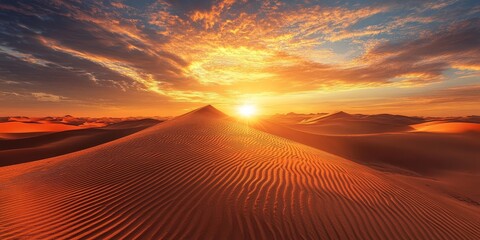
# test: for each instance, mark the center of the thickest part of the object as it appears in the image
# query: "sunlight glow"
(247, 110)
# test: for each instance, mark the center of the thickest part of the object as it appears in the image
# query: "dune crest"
(201, 176)
(208, 112)
(326, 117)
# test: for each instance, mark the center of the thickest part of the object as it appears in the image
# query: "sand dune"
(328, 117)
(205, 176)
(21, 127)
(5, 136)
(294, 118)
(422, 152)
(448, 163)
(342, 123)
(447, 127)
(17, 150)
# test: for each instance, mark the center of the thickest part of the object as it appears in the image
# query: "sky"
(165, 57)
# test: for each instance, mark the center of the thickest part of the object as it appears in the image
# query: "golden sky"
(148, 58)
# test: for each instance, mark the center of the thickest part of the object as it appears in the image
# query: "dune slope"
(204, 176)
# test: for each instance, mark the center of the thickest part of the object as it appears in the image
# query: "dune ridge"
(205, 176)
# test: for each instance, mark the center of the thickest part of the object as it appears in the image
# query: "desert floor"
(205, 175)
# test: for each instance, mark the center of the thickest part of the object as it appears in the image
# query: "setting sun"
(247, 110)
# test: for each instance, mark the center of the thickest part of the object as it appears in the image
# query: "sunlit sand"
(205, 175)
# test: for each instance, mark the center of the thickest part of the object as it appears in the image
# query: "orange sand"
(205, 176)
(447, 127)
(20, 127)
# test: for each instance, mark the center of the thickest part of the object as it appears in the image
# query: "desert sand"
(446, 160)
(25, 148)
(341, 123)
(20, 127)
(204, 175)
(447, 127)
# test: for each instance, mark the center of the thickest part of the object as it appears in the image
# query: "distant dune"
(21, 127)
(38, 146)
(342, 123)
(204, 175)
(9, 136)
(447, 127)
(333, 116)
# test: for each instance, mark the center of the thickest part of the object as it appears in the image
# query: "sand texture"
(204, 175)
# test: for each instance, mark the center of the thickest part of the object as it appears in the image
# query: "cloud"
(254, 47)
(427, 57)
(3, 93)
(453, 101)
(24, 56)
(206, 12)
(46, 97)
(456, 95)
(220, 50)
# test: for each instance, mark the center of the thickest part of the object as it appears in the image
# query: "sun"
(247, 110)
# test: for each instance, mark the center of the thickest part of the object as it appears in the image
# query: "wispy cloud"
(46, 97)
